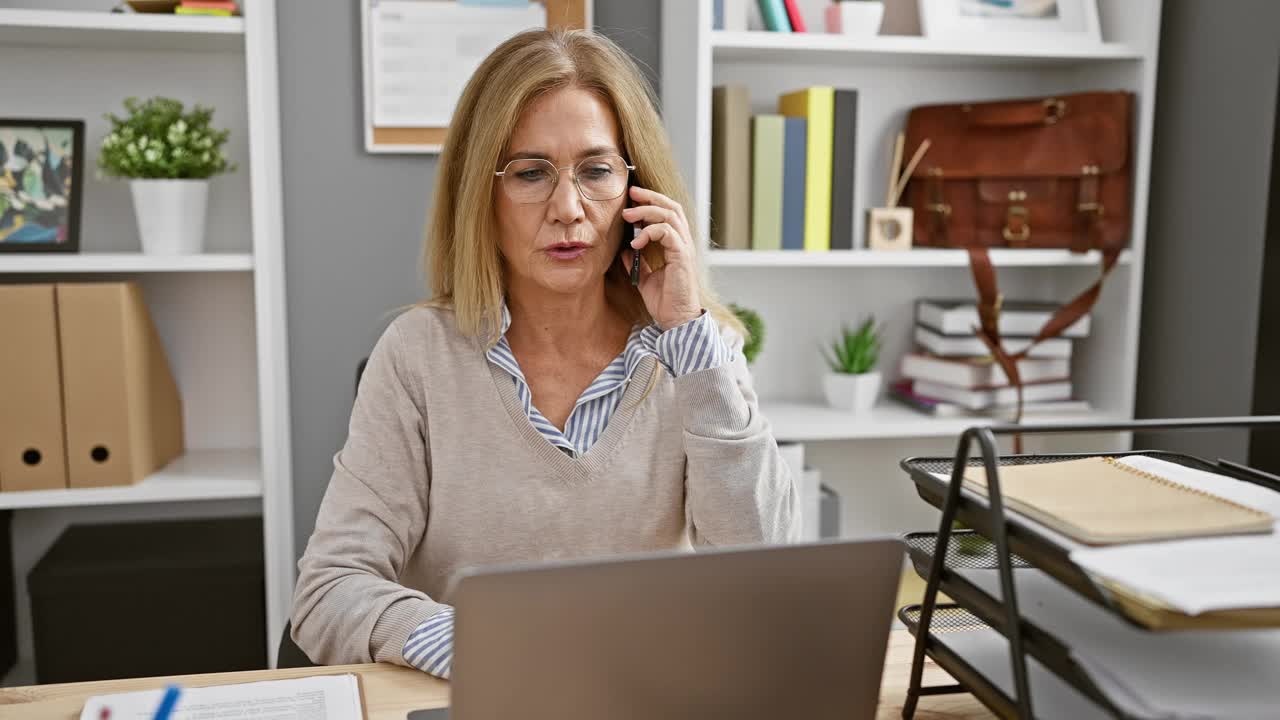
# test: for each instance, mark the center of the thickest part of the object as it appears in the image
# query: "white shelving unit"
(804, 298)
(221, 314)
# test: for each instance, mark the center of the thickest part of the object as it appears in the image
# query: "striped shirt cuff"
(693, 346)
(430, 646)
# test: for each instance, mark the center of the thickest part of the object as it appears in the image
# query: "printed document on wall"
(423, 53)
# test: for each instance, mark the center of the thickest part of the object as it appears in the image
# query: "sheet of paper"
(1185, 674)
(326, 697)
(1197, 575)
(1052, 699)
(423, 53)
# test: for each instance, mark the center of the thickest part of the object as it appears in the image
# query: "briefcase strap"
(990, 300)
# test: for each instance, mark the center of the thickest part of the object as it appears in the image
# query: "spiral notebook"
(1099, 501)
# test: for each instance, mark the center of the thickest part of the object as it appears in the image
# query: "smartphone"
(629, 233)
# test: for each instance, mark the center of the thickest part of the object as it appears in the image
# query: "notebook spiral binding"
(1161, 480)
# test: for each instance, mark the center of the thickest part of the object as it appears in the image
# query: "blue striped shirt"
(693, 346)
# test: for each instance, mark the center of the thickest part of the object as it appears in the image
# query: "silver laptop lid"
(769, 632)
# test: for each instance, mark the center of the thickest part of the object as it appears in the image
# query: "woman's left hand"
(671, 294)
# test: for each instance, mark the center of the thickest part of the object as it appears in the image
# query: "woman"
(540, 407)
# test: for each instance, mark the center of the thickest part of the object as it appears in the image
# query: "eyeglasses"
(601, 177)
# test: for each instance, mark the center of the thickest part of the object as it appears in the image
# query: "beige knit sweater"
(442, 470)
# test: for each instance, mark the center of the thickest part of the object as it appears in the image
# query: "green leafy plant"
(159, 139)
(855, 352)
(755, 331)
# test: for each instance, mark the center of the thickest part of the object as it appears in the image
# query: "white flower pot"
(171, 215)
(854, 17)
(855, 393)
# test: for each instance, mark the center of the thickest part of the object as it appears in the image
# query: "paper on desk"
(1171, 675)
(1196, 575)
(423, 53)
(324, 697)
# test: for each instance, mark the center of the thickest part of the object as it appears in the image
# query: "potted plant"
(168, 154)
(754, 342)
(853, 383)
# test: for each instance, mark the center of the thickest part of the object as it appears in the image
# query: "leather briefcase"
(1032, 173)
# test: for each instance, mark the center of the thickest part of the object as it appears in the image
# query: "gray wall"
(354, 221)
(1215, 110)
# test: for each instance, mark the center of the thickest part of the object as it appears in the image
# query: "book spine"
(717, 15)
(817, 105)
(843, 164)
(766, 182)
(736, 14)
(731, 167)
(775, 16)
(794, 16)
(794, 149)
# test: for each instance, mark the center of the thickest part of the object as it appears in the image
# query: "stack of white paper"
(324, 697)
(1173, 675)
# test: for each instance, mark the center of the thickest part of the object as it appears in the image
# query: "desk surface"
(391, 691)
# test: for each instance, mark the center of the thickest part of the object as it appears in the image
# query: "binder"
(32, 453)
(122, 409)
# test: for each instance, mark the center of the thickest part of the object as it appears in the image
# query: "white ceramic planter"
(855, 393)
(171, 215)
(855, 17)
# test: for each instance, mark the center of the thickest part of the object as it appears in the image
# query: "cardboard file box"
(32, 454)
(122, 410)
(145, 599)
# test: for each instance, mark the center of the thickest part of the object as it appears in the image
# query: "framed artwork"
(41, 171)
(1074, 21)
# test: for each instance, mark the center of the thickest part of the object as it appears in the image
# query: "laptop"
(759, 633)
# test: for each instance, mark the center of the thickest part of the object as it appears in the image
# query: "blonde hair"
(461, 252)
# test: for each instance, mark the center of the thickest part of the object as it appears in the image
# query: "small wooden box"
(889, 228)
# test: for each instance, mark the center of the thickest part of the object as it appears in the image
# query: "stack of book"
(217, 8)
(952, 374)
(784, 180)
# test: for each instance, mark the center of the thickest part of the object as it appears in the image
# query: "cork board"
(574, 14)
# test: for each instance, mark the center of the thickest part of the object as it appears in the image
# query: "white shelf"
(901, 50)
(198, 475)
(807, 422)
(123, 263)
(119, 31)
(909, 258)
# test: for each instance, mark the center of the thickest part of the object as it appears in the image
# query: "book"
(1017, 318)
(717, 15)
(731, 167)
(817, 106)
(736, 14)
(993, 397)
(979, 373)
(766, 181)
(1101, 501)
(794, 142)
(212, 4)
(774, 13)
(334, 697)
(972, 346)
(794, 16)
(212, 12)
(1051, 408)
(903, 392)
(844, 137)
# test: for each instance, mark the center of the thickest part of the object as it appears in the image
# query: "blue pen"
(168, 702)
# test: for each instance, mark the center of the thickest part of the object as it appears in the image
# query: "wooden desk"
(390, 692)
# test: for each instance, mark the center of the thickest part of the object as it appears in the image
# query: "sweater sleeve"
(348, 606)
(738, 489)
